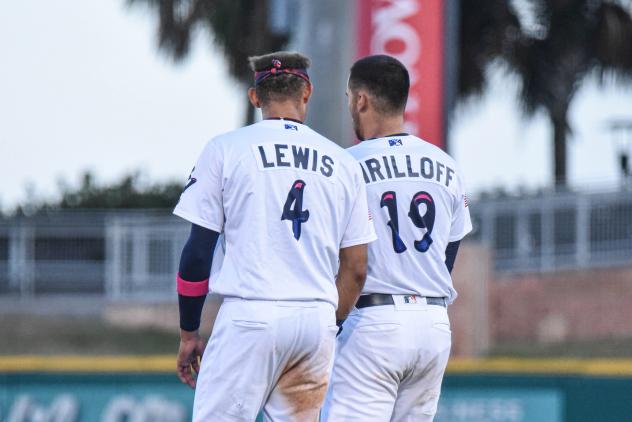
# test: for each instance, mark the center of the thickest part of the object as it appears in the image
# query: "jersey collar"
(389, 136)
(284, 118)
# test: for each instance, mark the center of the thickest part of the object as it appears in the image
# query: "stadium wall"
(582, 305)
(145, 389)
(587, 304)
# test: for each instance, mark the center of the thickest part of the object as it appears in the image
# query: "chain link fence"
(135, 255)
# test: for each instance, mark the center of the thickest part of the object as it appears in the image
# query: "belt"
(378, 299)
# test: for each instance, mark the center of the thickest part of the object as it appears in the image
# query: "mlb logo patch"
(291, 127)
(395, 143)
(410, 299)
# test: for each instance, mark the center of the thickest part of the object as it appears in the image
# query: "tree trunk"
(560, 130)
(257, 43)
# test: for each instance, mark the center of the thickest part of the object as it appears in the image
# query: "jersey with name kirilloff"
(417, 199)
(286, 200)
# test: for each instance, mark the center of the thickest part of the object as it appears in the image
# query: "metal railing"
(49, 255)
(143, 255)
(117, 254)
(135, 255)
(557, 231)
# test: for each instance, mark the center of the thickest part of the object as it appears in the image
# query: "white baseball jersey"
(417, 199)
(287, 199)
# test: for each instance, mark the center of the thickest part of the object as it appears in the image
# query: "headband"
(277, 69)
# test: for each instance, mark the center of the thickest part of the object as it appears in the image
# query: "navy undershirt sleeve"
(195, 265)
(450, 254)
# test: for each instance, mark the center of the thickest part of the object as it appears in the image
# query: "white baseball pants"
(274, 356)
(389, 364)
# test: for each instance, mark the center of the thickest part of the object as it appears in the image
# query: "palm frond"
(612, 41)
(238, 27)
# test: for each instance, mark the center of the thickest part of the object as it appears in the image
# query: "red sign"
(411, 31)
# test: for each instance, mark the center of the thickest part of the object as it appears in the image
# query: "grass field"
(89, 335)
(39, 335)
(607, 348)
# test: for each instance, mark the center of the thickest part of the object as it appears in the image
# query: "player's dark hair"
(283, 86)
(385, 78)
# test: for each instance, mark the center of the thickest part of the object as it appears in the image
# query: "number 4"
(296, 215)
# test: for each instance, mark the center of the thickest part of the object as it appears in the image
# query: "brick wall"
(562, 306)
(552, 307)
(469, 315)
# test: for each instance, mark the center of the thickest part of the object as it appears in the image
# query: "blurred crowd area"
(548, 274)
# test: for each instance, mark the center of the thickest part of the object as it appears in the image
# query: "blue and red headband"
(278, 69)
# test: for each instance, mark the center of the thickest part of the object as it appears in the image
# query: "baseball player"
(394, 347)
(292, 208)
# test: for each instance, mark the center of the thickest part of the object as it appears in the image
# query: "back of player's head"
(386, 80)
(280, 76)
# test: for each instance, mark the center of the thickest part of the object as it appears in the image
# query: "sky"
(498, 147)
(83, 87)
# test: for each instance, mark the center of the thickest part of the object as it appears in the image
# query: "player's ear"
(252, 96)
(307, 92)
(362, 101)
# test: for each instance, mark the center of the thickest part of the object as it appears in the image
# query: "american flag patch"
(467, 204)
(370, 216)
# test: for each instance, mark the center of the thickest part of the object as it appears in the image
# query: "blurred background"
(104, 107)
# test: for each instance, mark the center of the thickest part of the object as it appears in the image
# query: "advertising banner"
(413, 32)
(162, 398)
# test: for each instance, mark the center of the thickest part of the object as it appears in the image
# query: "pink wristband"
(191, 288)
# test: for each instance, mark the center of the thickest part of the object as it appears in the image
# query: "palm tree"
(239, 27)
(569, 41)
(488, 30)
(573, 40)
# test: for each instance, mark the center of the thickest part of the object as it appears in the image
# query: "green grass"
(606, 348)
(37, 335)
(40, 335)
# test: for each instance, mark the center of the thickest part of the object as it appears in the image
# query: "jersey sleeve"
(461, 223)
(201, 201)
(359, 229)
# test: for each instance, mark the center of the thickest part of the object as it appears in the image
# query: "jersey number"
(297, 215)
(389, 200)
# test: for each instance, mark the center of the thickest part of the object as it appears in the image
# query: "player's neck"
(284, 110)
(380, 126)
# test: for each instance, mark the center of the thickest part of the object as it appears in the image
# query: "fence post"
(113, 258)
(522, 237)
(547, 261)
(488, 230)
(582, 231)
(21, 259)
(140, 253)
